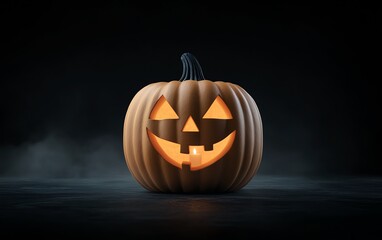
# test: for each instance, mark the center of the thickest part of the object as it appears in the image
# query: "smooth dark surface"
(269, 207)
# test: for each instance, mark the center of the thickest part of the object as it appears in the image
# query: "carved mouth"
(198, 158)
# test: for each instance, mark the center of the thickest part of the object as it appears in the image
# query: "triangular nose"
(190, 125)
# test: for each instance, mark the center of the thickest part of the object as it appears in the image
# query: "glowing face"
(198, 158)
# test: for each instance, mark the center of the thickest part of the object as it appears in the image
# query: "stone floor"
(268, 208)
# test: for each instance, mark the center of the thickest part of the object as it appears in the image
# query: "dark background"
(69, 71)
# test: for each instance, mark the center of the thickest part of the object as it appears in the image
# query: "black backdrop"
(68, 73)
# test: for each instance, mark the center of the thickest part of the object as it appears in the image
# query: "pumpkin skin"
(193, 98)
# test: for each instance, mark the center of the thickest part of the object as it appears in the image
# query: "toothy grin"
(198, 158)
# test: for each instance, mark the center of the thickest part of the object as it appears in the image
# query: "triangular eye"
(162, 110)
(218, 110)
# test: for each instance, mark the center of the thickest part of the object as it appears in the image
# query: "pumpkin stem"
(191, 68)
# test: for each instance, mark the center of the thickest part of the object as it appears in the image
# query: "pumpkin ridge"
(165, 168)
(138, 145)
(132, 164)
(244, 170)
(230, 94)
(136, 118)
(150, 171)
(258, 141)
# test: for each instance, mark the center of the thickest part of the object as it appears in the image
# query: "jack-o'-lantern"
(193, 135)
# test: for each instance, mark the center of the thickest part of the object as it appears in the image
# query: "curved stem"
(191, 68)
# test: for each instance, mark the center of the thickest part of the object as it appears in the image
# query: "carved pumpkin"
(192, 135)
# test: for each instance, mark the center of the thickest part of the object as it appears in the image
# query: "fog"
(54, 156)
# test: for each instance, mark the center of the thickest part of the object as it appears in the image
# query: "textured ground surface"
(269, 207)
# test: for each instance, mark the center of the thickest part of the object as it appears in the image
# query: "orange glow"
(198, 157)
(218, 110)
(190, 125)
(162, 110)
